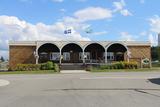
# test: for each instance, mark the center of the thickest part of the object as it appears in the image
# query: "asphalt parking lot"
(115, 89)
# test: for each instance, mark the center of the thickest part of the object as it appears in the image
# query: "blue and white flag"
(68, 31)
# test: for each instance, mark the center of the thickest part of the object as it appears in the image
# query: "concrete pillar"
(36, 53)
(37, 58)
(128, 55)
(83, 56)
(60, 59)
(105, 56)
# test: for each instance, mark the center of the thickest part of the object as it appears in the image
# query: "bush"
(27, 67)
(56, 68)
(47, 66)
(50, 65)
(120, 65)
(34, 67)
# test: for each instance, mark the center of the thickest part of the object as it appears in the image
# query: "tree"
(155, 53)
(2, 59)
(158, 52)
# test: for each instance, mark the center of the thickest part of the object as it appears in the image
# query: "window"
(55, 56)
(80, 56)
(110, 55)
(66, 56)
(43, 55)
(86, 56)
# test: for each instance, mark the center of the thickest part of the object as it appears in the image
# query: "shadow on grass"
(155, 80)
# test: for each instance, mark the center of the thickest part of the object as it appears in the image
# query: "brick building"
(77, 52)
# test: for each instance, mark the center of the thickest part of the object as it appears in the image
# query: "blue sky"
(129, 20)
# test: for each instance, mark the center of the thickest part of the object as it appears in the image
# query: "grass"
(29, 72)
(126, 70)
(156, 64)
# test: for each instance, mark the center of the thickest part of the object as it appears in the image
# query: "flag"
(68, 31)
(88, 30)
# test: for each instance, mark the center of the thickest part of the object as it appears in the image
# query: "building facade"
(88, 52)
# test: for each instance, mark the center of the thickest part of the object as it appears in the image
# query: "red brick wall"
(21, 55)
(140, 51)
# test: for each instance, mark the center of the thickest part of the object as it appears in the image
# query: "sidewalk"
(73, 71)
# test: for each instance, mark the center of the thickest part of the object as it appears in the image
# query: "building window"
(80, 56)
(86, 55)
(43, 55)
(66, 56)
(55, 56)
(110, 56)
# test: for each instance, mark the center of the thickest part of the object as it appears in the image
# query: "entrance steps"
(73, 71)
(70, 66)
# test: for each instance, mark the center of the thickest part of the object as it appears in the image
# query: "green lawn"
(156, 64)
(29, 72)
(126, 70)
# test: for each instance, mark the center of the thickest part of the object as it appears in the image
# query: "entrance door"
(66, 56)
(74, 57)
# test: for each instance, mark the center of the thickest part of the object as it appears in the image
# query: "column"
(60, 59)
(83, 56)
(128, 55)
(105, 56)
(36, 53)
(36, 56)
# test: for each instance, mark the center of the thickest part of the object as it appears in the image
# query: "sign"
(145, 61)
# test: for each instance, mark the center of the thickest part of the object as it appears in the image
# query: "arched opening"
(116, 52)
(48, 52)
(94, 53)
(72, 53)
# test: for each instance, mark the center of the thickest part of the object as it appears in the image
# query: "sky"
(109, 20)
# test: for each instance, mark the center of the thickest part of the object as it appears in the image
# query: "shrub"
(27, 67)
(121, 65)
(47, 66)
(50, 65)
(56, 68)
(104, 66)
(43, 66)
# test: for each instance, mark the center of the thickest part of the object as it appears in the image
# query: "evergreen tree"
(154, 53)
(2, 59)
(158, 52)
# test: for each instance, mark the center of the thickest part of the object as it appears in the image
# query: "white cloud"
(154, 29)
(12, 28)
(144, 33)
(4, 53)
(125, 12)
(59, 1)
(155, 24)
(93, 13)
(99, 33)
(152, 39)
(120, 7)
(125, 36)
(62, 10)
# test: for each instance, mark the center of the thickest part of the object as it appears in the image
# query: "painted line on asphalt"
(4, 82)
(88, 78)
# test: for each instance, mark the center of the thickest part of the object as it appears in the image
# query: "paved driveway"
(141, 89)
